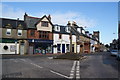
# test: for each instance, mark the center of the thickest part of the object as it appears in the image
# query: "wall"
(36, 36)
(74, 42)
(14, 34)
(42, 28)
(64, 40)
(8, 51)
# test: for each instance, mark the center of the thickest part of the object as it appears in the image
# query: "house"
(39, 34)
(62, 39)
(14, 35)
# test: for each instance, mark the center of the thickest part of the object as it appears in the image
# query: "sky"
(96, 16)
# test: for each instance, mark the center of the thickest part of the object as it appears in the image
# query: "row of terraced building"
(40, 36)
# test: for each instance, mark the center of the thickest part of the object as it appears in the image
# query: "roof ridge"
(34, 17)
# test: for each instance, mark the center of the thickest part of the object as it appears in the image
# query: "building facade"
(62, 39)
(14, 35)
(39, 34)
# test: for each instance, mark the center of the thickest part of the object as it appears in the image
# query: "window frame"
(18, 32)
(32, 33)
(8, 30)
(43, 24)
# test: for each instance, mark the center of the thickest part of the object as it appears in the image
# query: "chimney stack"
(69, 23)
(49, 17)
(74, 23)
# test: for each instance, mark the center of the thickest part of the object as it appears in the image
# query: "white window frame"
(57, 28)
(19, 31)
(83, 31)
(8, 30)
(67, 29)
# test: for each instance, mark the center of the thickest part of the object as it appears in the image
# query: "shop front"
(39, 46)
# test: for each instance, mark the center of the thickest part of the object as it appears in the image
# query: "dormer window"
(57, 28)
(83, 31)
(79, 30)
(67, 29)
(44, 23)
(8, 32)
(19, 32)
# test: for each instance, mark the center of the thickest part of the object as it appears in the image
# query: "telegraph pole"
(70, 40)
(69, 26)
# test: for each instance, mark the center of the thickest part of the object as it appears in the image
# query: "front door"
(63, 48)
(22, 49)
(30, 50)
(73, 48)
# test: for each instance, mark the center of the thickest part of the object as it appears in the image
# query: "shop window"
(32, 33)
(8, 32)
(68, 47)
(44, 23)
(19, 32)
(58, 47)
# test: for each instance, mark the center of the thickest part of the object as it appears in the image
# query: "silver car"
(114, 52)
(118, 55)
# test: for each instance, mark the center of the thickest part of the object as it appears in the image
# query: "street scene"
(57, 40)
(99, 65)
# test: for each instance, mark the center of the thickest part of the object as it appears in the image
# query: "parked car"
(114, 52)
(118, 55)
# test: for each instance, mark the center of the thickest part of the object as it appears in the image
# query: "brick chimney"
(74, 23)
(49, 17)
(69, 23)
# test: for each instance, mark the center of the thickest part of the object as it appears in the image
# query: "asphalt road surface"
(99, 65)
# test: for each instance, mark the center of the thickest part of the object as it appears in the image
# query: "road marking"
(72, 70)
(23, 60)
(50, 57)
(78, 70)
(32, 63)
(59, 74)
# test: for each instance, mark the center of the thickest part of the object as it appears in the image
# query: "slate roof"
(74, 31)
(31, 21)
(62, 30)
(4, 22)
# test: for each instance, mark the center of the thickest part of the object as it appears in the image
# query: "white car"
(114, 52)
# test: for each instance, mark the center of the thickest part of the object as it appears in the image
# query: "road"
(99, 65)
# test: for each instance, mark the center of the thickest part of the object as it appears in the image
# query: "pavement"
(92, 66)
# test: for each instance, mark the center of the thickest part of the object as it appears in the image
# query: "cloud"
(81, 20)
(10, 12)
(57, 17)
(63, 18)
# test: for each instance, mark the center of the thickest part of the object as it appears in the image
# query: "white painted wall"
(64, 40)
(2, 51)
(42, 28)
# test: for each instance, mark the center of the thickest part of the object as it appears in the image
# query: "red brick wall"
(36, 36)
(86, 47)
